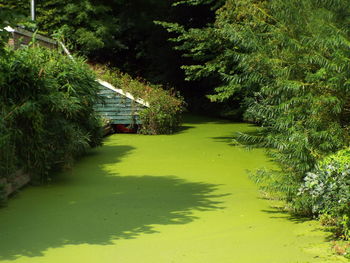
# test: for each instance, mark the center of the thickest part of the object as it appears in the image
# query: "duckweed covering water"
(158, 199)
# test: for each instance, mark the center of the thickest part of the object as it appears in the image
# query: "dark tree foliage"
(121, 33)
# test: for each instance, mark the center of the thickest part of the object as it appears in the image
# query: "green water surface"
(159, 199)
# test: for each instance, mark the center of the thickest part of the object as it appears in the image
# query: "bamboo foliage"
(46, 108)
(289, 60)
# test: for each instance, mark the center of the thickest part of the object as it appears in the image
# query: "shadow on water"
(201, 119)
(183, 128)
(234, 139)
(278, 213)
(191, 119)
(281, 214)
(229, 140)
(92, 205)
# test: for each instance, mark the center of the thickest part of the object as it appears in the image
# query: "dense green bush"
(46, 111)
(165, 106)
(327, 189)
(164, 114)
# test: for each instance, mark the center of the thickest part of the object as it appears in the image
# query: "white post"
(66, 50)
(32, 9)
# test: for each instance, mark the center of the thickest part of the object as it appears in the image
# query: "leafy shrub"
(165, 106)
(328, 190)
(46, 111)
